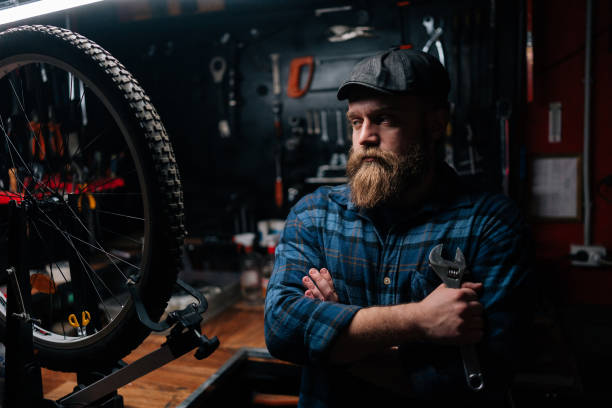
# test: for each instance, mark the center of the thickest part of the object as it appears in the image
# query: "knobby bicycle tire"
(157, 173)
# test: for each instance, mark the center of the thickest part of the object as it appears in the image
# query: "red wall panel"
(559, 41)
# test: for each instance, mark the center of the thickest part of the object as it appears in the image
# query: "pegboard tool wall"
(229, 181)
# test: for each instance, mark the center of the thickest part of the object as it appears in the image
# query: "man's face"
(391, 148)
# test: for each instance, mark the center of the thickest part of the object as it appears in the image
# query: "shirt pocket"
(425, 281)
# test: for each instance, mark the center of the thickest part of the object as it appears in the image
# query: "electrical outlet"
(587, 255)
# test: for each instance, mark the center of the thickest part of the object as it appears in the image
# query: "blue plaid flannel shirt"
(325, 229)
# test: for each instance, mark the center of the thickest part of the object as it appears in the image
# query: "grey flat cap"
(399, 71)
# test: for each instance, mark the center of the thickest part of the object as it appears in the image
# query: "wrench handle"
(471, 367)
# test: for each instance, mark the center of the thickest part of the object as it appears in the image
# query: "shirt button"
(387, 280)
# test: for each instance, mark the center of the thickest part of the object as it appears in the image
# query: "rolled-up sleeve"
(297, 328)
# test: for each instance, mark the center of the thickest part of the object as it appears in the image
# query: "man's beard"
(387, 176)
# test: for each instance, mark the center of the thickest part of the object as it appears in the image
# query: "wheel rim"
(100, 217)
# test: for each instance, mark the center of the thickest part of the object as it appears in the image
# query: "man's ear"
(436, 121)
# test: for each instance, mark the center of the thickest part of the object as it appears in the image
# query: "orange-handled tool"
(37, 139)
(74, 322)
(295, 70)
(85, 319)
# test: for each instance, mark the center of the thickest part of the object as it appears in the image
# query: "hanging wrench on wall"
(217, 67)
(434, 37)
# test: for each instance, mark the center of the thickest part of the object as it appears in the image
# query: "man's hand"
(452, 315)
(320, 285)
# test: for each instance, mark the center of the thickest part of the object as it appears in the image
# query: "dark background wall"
(229, 182)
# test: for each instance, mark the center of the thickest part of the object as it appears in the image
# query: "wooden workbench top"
(238, 326)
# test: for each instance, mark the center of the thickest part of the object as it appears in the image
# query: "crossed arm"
(445, 316)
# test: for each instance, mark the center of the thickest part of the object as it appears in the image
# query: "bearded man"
(352, 297)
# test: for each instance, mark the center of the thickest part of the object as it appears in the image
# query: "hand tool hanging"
(217, 67)
(404, 17)
(278, 129)
(309, 122)
(434, 37)
(316, 119)
(36, 129)
(466, 85)
(75, 124)
(341, 33)
(295, 71)
(339, 126)
(232, 85)
(320, 11)
(76, 95)
(324, 133)
(54, 141)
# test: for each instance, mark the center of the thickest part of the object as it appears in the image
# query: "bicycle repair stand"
(23, 376)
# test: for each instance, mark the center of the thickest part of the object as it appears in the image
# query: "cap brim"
(350, 86)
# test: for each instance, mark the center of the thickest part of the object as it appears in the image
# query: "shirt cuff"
(327, 321)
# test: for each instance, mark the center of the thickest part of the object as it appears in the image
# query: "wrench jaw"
(451, 272)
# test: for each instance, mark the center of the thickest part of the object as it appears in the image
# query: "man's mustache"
(379, 156)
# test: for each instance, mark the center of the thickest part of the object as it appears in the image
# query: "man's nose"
(368, 134)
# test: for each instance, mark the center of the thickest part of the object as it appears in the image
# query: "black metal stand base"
(96, 389)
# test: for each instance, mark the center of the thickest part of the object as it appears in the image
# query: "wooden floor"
(238, 326)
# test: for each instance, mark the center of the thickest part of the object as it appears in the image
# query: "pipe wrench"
(451, 273)
(434, 37)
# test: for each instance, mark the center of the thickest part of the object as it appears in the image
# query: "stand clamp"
(184, 336)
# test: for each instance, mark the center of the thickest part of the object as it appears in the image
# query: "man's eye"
(355, 122)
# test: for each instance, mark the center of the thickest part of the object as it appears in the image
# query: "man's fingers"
(323, 284)
(327, 276)
(320, 285)
(468, 294)
(314, 291)
(475, 286)
(332, 295)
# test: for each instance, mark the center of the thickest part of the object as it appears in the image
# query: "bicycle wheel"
(86, 157)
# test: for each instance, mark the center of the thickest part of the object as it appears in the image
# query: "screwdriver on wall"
(278, 129)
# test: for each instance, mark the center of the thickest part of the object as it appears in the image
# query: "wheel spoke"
(84, 264)
(122, 236)
(121, 215)
(99, 249)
